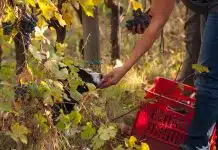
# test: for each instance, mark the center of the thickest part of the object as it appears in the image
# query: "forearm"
(160, 12)
(143, 45)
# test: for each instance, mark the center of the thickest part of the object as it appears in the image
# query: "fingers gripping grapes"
(113, 77)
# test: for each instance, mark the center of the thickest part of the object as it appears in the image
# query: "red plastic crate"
(165, 122)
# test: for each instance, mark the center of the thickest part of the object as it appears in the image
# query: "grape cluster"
(7, 28)
(20, 91)
(27, 25)
(139, 18)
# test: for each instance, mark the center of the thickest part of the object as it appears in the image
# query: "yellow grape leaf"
(61, 47)
(144, 146)
(19, 132)
(41, 23)
(136, 5)
(91, 87)
(10, 15)
(68, 13)
(31, 3)
(132, 141)
(60, 19)
(97, 2)
(200, 68)
(88, 6)
(47, 8)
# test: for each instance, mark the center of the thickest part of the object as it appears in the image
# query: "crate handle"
(179, 110)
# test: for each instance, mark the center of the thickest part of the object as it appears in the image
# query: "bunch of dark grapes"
(139, 18)
(27, 25)
(7, 28)
(20, 91)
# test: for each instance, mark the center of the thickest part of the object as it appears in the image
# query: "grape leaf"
(60, 19)
(68, 13)
(136, 5)
(97, 2)
(131, 141)
(31, 3)
(144, 146)
(199, 68)
(42, 121)
(75, 117)
(62, 74)
(97, 143)
(60, 48)
(10, 15)
(47, 8)
(90, 86)
(88, 6)
(19, 132)
(88, 131)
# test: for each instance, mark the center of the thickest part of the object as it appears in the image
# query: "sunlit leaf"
(88, 6)
(10, 15)
(199, 68)
(47, 8)
(60, 19)
(144, 146)
(136, 5)
(132, 141)
(97, 2)
(68, 13)
(31, 3)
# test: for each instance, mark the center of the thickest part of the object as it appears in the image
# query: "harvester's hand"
(113, 77)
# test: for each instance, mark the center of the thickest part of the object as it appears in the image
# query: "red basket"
(167, 120)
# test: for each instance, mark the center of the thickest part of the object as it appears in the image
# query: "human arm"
(160, 12)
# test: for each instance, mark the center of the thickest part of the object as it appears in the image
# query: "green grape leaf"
(88, 131)
(42, 121)
(63, 122)
(62, 74)
(199, 68)
(107, 133)
(97, 143)
(61, 47)
(19, 133)
(105, 136)
(75, 117)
